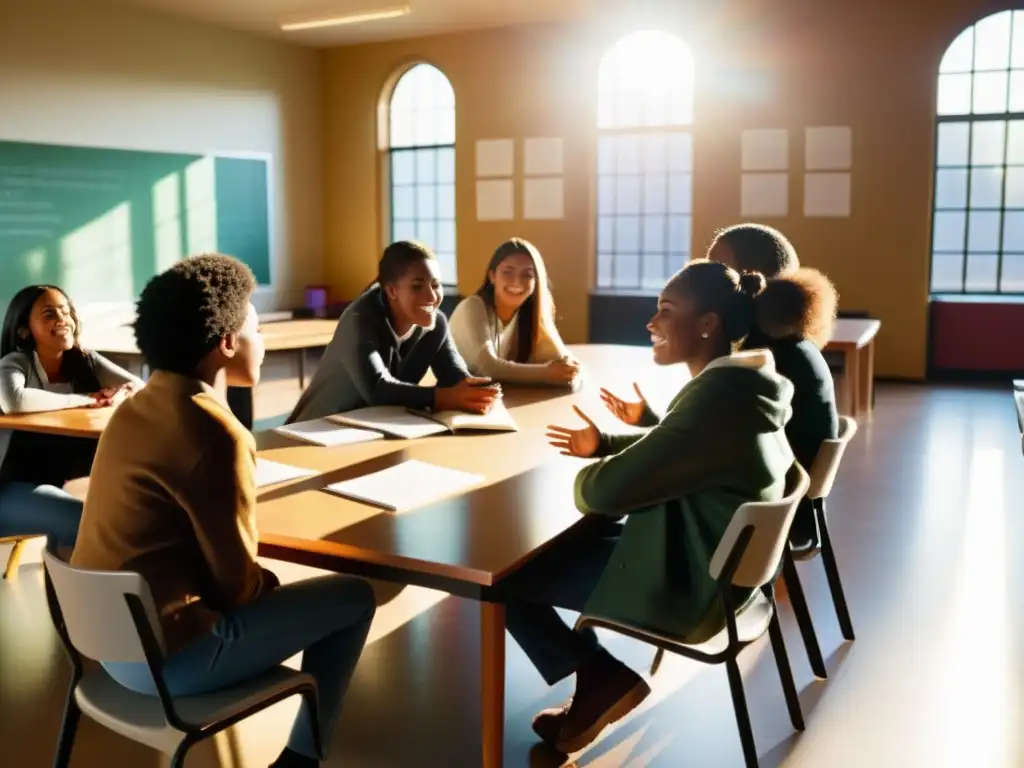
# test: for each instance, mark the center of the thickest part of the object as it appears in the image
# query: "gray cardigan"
(24, 388)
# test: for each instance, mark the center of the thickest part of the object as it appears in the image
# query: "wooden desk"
(74, 422)
(856, 340)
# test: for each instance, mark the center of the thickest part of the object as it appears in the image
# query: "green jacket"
(721, 444)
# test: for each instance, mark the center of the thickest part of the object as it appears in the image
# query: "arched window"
(421, 141)
(978, 212)
(645, 165)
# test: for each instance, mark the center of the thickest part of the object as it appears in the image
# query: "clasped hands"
(585, 442)
(109, 396)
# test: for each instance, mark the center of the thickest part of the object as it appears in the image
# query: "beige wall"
(116, 77)
(870, 65)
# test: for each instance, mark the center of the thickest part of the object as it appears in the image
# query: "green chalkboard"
(101, 222)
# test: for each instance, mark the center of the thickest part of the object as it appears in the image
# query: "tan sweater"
(172, 496)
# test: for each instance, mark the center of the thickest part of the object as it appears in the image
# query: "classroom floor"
(925, 517)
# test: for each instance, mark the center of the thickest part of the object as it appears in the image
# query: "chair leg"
(656, 664)
(739, 703)
(14, 558)
(68, 729)
(803, 615)
(828, 559)
(178, 759)
(785, 671)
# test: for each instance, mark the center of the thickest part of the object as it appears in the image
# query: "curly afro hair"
(758, 248)
(183, 313)
(802, 304)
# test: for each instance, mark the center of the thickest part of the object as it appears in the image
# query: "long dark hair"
(75, 365)
(537, 313)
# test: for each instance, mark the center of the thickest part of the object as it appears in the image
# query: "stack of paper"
(405, 486)
(392, 420)
(272, 473)
(326, 433)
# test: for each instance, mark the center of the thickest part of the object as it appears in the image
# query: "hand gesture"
(575, 442)
(626, 412)
(473, 395)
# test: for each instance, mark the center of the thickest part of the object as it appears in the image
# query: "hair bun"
(752, 283)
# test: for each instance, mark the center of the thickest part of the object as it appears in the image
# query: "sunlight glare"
(646, 79)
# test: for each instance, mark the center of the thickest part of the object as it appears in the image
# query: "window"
(421, 141)
(645, 161)
(978, 210)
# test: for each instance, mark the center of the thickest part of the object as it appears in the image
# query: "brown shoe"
(548, 723)
(606, 691)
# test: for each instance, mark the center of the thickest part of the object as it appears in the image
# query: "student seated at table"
(172, 497)
(506, 330)
(44, 368)
(386, 341)
(795, 318)
(720, 445)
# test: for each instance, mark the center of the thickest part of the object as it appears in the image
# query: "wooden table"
(73, 422)
(282, 336)
(856, 340)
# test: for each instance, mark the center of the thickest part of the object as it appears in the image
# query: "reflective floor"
(927, 521)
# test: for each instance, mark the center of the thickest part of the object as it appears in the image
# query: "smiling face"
(514, 280)
(677, 328)
(52, 323)
(416, 296)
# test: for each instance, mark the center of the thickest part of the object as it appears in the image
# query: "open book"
(404, 486)
(396, 421)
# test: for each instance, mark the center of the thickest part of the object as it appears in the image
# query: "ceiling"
(427, 17)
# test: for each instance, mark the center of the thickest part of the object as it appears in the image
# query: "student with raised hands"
(721, 444)
(43, 367)
(506, 330)
(388, 339)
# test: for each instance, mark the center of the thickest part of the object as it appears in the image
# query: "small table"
(855, 338)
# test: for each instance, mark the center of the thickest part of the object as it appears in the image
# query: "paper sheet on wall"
(766, 149)
(495, 157)
(828, 148)
(827, 195)
(542, 156)
(495, 200)
(543, 199)
(764, 194)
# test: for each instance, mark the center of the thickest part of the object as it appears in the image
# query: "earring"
(703, 335)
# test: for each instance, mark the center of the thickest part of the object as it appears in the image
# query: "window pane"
(986, 187)
(403, 229)
(426, 202)
(605, 230)
(446, 262)
(676, 261)
(680, 152)
(947, 272)
(604, 271)
(954, 95)
(422, 108)
(627, 234)
(426, 166)
(951, 188)
(1017, 90)
(981, 272)
(1017, 53)
(403, 203)
(949, 231)
(992, 42)
(953, 143)
(606, 154)
(446, 201)
(426, 232)
(446, 237)
(654, 271)
(1013, 231)
(606, 194)
(679, 193)
(987, 143)
(627, 270)
(960, 55)
(983, 231)
(655, 153)
(628, 154)
(446, 165)
(654, 234)
(627, 194)
(645, 79)
(1015, 142)
(989, 93)
(679, 233)
(1014, 188)
(402, 168)
(655, 191)
(1012, 279)
(403, 123)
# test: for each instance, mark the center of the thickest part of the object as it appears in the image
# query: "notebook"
(405, 486)
(326, 433)
(272, 473)
(396, 421)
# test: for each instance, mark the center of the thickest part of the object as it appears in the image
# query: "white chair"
(749, 555)
(823, 475)
(14, 557)
(110, 616)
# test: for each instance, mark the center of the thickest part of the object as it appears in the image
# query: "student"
(386, 341)
(794, 320)
(44, 368)
(720, 445)
(172, 497)
(506, 330)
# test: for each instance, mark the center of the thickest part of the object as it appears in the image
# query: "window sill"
(625, 292)
(977, 298)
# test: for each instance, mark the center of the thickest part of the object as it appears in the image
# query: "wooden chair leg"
(14, 558)
(796, 716)
(803, 615)
(739, 703)
(828, 559)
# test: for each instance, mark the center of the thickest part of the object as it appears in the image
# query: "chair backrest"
(768, 522)
(96, 614)
(826, 463)
(1018, 401)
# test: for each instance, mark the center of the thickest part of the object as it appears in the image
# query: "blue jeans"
(29, 509)
(327, 618)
